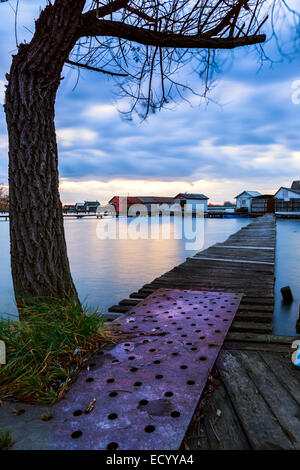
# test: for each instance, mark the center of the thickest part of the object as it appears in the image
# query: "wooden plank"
(186, 277)
(260, 317)
(196, 266)
(228, 260)
(129, 302)
(217, 245)
(268, 347)
(257, 300)
(286, 374)
(214, 276)
(242, 254)
(197, 441)
(138, 295)
(224, 431)
(238, 326)
(261, 338)
(205, 264)
(254, 308)
(281, 403)
(260, 425)
(211, 273)
(119, 308)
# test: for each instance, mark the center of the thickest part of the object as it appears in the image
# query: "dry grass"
(5, 440)
(46, 350)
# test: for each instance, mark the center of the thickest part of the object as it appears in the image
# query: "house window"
(244, 202)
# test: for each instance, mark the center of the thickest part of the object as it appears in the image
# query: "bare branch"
(94, 27)
(105, 10)
(95, 69)
(150, 41)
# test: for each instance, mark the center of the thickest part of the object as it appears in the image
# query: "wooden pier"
(256, 390)
(244, 263)
(251, 398)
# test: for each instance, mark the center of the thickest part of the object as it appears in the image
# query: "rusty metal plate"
(147, 387)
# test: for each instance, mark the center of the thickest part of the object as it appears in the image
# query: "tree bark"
(39, 262)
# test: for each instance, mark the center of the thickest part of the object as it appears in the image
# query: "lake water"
(287, 274)
(107, 271)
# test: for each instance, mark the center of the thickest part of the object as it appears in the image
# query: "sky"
(245, 137)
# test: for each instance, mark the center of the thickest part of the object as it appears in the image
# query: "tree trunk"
(40, 266)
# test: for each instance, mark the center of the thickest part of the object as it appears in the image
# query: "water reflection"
(287, 274)
(6, 288)
(106, 271)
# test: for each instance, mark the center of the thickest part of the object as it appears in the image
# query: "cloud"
(68, 137)
(103, 191)
(247, 136)
(253, 135)
(3, 141)
(100, 111)
(2, 91)
(218, 190)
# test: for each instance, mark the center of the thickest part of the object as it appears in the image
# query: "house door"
(271, 205)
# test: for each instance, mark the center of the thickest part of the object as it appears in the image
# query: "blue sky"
(246, 137)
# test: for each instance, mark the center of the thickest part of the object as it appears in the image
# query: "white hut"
(287, 200)
(244, 200)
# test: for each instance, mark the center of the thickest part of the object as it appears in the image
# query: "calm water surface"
(107, 271)
(287, 274)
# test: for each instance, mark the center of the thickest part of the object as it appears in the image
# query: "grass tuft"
(46, 350)
(5, 440)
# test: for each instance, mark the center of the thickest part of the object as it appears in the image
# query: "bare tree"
(143, 42)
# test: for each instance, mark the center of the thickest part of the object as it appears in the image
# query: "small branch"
(262, 23)
(234, 21)
(95, 69)
(252, 18)
(150, 82)
(141, 14)
(100, 12)
(209, 15)
(225, 21)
